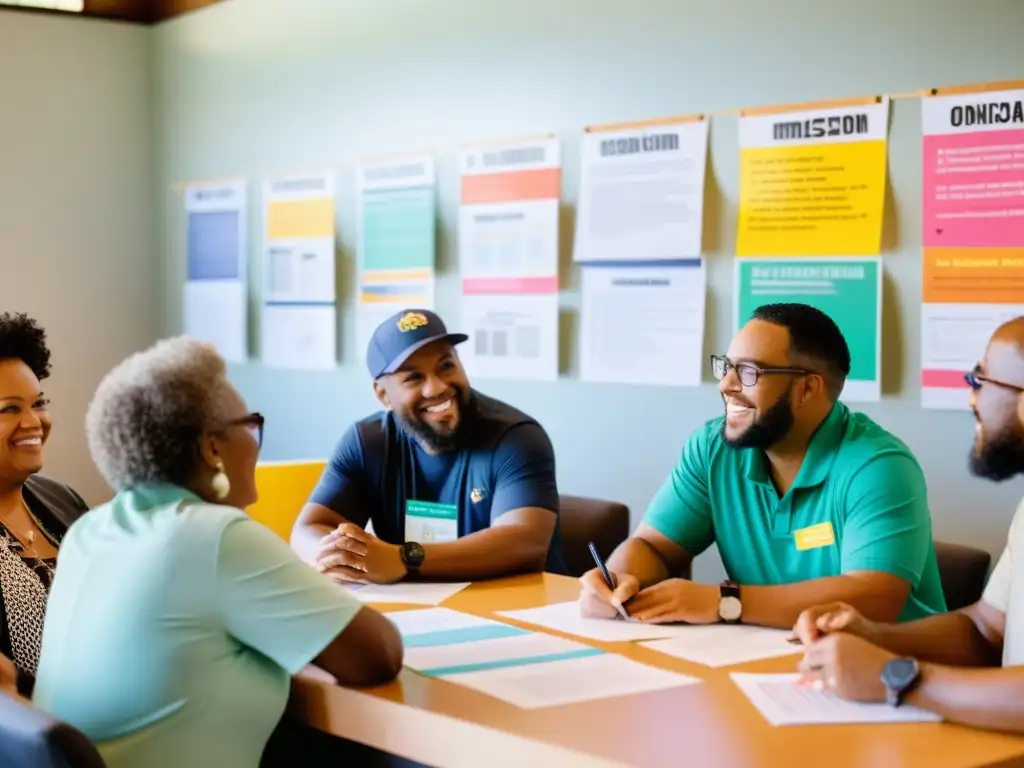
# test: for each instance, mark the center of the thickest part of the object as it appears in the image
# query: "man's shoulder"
(365, 436)
(496, 422)
(866, 442)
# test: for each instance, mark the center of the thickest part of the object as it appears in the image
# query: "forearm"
(780, 606)
(497, 551)
(637, 558)
(992, 699)
(947, 638)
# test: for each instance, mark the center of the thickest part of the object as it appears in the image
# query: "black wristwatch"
(412, 556)
(899, 676)
(730, 608)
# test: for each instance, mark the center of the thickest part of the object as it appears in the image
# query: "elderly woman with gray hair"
(175, 621)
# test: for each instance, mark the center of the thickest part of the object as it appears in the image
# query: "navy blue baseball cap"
(402, 334)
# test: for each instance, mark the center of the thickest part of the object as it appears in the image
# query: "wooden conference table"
(442, 724)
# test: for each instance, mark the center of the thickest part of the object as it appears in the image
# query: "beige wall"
(76, 207)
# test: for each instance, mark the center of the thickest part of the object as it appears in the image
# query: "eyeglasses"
(975, 378)
(748, 373)
(252, 421)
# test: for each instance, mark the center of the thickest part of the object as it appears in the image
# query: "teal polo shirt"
(859, 503)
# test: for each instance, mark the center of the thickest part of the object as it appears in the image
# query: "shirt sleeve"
(340, 487)
(524, 464)
(681, 509)
(273, 602)
(888, 525)
(997, 591)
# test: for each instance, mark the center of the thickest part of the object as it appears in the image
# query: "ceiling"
(135, 11)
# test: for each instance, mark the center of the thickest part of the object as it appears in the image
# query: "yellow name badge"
(815, 536)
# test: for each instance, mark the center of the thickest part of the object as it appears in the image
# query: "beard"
(767, 429)
(999, 458)
(436, 438)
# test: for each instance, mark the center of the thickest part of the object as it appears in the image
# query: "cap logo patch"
(410, 321)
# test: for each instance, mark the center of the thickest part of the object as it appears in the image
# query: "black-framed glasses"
(975, 379)
(748, 373)
(254, 421)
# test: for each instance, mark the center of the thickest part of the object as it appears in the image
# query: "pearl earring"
(220, 485)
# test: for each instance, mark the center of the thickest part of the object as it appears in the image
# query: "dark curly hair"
(21, 338)
(814, 337)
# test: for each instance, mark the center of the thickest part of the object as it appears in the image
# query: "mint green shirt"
(859, 503)
(173, 628)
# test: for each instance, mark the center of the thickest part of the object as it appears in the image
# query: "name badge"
(815, 536)
(428, 521)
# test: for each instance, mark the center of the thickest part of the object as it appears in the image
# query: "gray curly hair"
(146, 419)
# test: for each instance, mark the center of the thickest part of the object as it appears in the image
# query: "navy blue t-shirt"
(508, 463)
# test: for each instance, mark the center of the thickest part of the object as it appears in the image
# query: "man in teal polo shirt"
(807, 501)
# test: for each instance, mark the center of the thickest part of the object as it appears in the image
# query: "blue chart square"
(213, 246)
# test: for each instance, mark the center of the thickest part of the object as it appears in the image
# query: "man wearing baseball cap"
(458, 485)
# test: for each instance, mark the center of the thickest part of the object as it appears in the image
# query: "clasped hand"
(669, 601)
(348, 554)
(842, 654)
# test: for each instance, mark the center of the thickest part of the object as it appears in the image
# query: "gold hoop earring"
(220, 485)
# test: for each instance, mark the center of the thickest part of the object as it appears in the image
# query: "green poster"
(847, 290)
(398, 228)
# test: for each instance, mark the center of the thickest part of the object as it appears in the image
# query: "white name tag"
(428, 521)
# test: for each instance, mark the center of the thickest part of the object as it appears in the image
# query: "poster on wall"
(643, 323)
(638, 243)
(812, 179)
(973, 232)
(847, 290)
(642, 191)
(215, 296)
(396, 242)
(298, 327)
(508, 258)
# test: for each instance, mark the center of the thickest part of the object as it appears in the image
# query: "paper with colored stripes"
(526, 669)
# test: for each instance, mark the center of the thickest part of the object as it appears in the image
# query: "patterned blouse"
(25, 581)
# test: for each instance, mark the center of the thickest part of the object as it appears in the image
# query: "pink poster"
(974, 170)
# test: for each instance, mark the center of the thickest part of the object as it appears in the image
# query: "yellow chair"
(283, 488)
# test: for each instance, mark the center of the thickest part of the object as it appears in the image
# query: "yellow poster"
(812, 182)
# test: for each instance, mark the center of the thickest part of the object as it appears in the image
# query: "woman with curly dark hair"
(35, 511)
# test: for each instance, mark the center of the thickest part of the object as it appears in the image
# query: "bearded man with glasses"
(807, 501)
(968, 665)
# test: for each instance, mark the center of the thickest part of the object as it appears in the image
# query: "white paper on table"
(643, 324)
(532, 645)
(722, 645)
(426, 620)
(565, 617)
(554, 683)
(429, 593)
(302, 337)
(782, 702)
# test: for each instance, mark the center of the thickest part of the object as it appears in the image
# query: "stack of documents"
(783, 702)
(722, 645)
(525, 669)
(412, 593)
